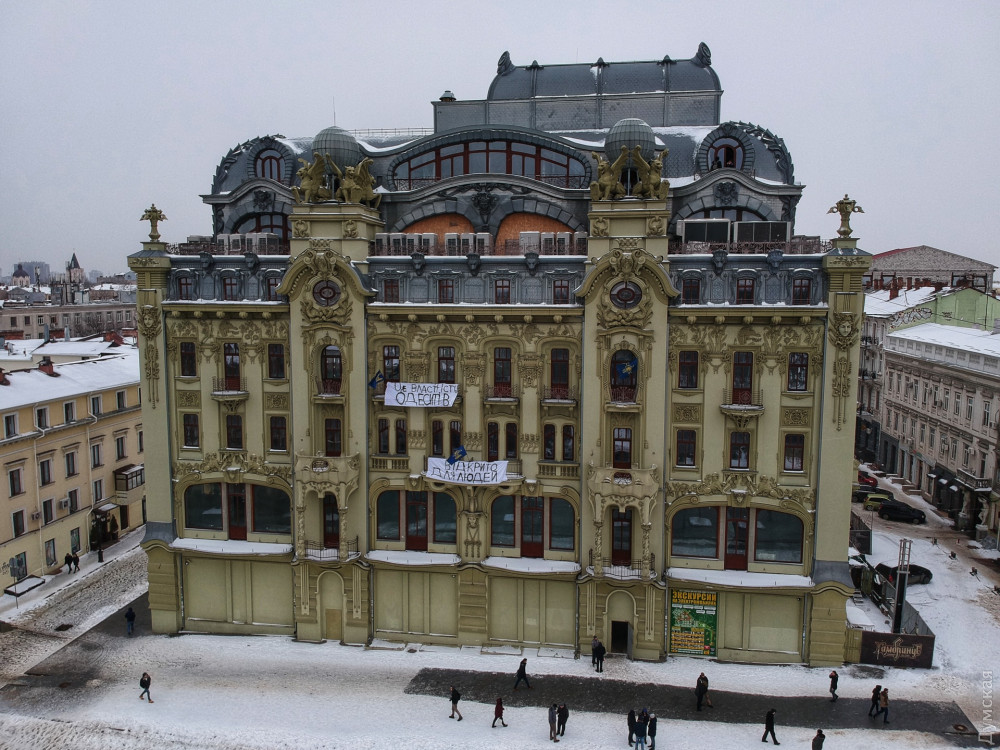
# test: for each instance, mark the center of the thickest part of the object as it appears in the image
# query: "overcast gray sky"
(106, 107)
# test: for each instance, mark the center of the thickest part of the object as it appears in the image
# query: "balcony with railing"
(389, 463)
(747, 402)
(322, 553)
(794, 246)
(558, 470)
(501, 392)
(974, 483)
(561, 393)
(623, 394)
(329, 389)
(612, 567)
(229, 388)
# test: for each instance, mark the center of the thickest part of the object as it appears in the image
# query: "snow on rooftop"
(878, 302)
(75, 378)
(955, 338)
(739, 578)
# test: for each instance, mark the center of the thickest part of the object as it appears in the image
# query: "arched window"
(268, 165)
(271, 223)
(778, 537)
(725, 152)
(695, 533)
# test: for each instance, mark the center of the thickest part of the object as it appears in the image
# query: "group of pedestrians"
(640, 726)
(72, 562)
(880, 704)
(558, 714)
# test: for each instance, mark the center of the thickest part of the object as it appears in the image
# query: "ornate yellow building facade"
(632, 428)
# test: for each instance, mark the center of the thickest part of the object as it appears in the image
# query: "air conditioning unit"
(36, 515)
(64, 503)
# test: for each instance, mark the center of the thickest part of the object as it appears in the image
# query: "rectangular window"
(501, 372)
(502, 522)
(968, 408)
(189, 360)
(798, 371)
(445, 520)
(95, 405)
(794, 451)
(276, 361)
(185, 288)
(501, 292)
(203, 506)
(231, 367)
(986, 413)
(390, 290)
(691, 291)
(562, 524)
(801, 291)
(230, 288)
(454, 436)
(48, 514)
(279, 434)
(45, 472)
(695, 533)
(560, 291)
(744, 291)
(271, 285)
(446, 291)
(549, 442)
(192, 435)
(946, 398)
(70, 459)
(446, 364)
(96, 459)
(569, 443)
(138, 437)
(383, 436)
(400, 437)
(387, 510)
(17, 519)
(559, 373)
(10, 425)
(74, 500)
(437, 438)
(120, 400)
(687, 370)
(42, 417)
(390, 363)
(234, 432)
(120, 451)
(14, 482)
(685, 448)
(98, 489)
(492, 441)
(742, 377)
(510, 441)
(739, 450)
(333, 437)
(777, 537)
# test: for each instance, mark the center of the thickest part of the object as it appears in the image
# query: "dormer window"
(268, 165)
(725, 153)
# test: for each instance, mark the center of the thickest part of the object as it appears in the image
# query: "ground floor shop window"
(772, 535)
(217, 507)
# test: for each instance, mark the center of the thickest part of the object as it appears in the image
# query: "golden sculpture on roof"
(608, 185)
(313, 186)
(651, 183)
(845, 207)
(357, 184)
(153, 215)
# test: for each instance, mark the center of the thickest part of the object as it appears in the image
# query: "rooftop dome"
(340, 145)
(630, 132)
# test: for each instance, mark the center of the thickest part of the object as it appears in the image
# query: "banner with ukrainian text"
(467, 472)
(693, 622)
(420, 394)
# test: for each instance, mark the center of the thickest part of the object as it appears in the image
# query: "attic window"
(725, 152)
(268, 165)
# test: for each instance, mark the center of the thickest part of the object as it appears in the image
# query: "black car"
(893, 510)
(918, 574)
(860, 494)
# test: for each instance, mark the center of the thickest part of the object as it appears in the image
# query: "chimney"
(47, 367)
(3, 378)
(938, 286)
(893, 290)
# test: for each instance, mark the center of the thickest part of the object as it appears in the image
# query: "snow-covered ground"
(219, 692)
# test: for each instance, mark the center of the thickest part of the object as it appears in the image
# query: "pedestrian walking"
(640, 734)
(875, 696)
(701, 689)
(553, 718)
(601, 651)
(834, 678)
(561, 715)
(631, 725)
(144, 682)
(818, 740)
(593, 651)
(498, 713)
(129, 621)
(68, 562)
(455, 697)
(76, 562)
(883, 705)
(769, 727)
(651, 731)
(522, 674)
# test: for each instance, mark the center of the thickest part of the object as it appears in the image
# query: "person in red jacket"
(498, 713)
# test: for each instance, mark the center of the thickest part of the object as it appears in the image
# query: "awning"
(953, 488)
(942, 481)
(932, 475)
(105, 508)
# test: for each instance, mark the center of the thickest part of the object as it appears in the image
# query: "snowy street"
(272, 692)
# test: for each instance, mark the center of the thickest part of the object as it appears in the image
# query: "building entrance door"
(237, 499)
(737, 523)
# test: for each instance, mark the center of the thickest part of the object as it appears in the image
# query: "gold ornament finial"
(153, 215)
(845, 207)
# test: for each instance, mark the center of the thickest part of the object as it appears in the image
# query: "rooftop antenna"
(334, 110)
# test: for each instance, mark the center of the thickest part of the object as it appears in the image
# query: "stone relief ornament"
(234, 465)
(740, 482)
(301, 228)
(599, 226)
(530, 367)
(793, 417)
(687, 413)
(150, 324)
(655, 226)
(275, 400)
(189, 399)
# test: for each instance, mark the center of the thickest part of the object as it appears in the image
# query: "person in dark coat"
(875, 695)
(144, 682)
(68, 561)
(561, 715)
(631, 725)
(76, 563)
(498, 713)
(455, 697)
(553, 718)
(883, 705)
(593, 651)
(129, 621)
(701, 689)
(834, 678)
(640, 734)
(601, 651)
(522, 674)
(651, 731)
(818, 740)
(769, 727)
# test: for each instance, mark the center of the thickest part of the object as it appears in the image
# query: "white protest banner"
(467, 472)
(420, 394)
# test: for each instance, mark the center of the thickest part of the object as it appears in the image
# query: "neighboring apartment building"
(636, 381)
(911, 267)
(33, 321)
(895, 308)
(72, 456)
(941, 409)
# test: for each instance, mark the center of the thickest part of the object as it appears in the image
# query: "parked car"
(875, 499)
(863, 492)
(866, 479)
(893, 510)
(918, 574)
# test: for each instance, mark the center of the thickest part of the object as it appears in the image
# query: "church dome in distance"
(340, 145)
(630, 132)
